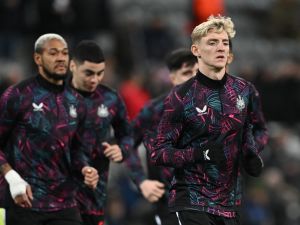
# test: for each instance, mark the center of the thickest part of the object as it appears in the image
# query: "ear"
(195, 50)
(72, 65)
(172, 78)
(37, 59)
(230, 58)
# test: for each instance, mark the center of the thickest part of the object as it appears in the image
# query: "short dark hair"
(178, 57)
(88, 50)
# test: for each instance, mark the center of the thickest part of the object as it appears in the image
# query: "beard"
(55, 76)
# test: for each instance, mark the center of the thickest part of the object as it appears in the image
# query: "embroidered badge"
(240, 103)
(72, 111)
(102, 111)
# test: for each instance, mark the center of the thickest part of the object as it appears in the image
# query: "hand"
(113, 152)
(253, 164)
(152, 190)
(24, 200)
(91, 176)
(20, 190)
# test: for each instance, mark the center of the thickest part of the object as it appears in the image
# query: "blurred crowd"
(136, 35)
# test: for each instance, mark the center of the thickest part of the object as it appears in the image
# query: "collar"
(210, 82)
(50, 86)
(85, 94)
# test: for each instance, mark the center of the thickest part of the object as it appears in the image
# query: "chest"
(50, 114)
(101, 113)
(217, 109)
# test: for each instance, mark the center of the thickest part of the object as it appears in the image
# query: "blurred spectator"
(202, 9)
(11, 74)
(280, 92)
(92, 15)
(55, 16)
(283, 20)
(134, 94)
(158, 39)
(11, 25)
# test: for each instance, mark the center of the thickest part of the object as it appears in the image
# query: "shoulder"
(110, 96)
(183, 89)
(156, 101)
(22, 88)
(105, 90)
(18, 95)
(239, 82)
(26, 85)
(238, 79)
(72, 95)
(154, 105)
(243, 85)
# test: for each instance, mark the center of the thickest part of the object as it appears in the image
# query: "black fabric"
(92, 219)
(192, 217)
(212, 153)
(253, 164)
(163, 214)
(214, 84)
(21, 216)
(54, 88)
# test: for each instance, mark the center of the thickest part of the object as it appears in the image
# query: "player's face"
(183, 74)
(87, 76)
(53, 61)
(212, 50)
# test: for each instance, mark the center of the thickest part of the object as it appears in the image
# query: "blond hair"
(42, 40)
(216, 23)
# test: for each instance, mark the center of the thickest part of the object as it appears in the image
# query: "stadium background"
(136, 35)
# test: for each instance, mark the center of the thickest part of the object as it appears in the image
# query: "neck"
(51, 80)
(73, 83)
(213, 73)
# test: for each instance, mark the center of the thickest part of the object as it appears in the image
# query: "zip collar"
(210, 82)
(50, 86)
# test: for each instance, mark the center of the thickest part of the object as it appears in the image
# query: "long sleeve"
(124, 134)
(162, 147)
(143, 122)
(8, 116)
(147, 121)
(81, 148)
(122, 129)
(255, 133)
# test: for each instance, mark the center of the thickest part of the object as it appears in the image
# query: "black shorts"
(193, 217)
(163, 216)
(22, 216)
(92, 219)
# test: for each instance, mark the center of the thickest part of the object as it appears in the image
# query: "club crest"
(72, 111)
(102, 111)
(240, 103)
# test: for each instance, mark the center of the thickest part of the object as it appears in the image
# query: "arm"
(5, 168)
(80, 151)
(255, 136)
(122, 129)
(163, 146)
(19, 189)
(152, 190)
(255, 133)
(133, 163)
